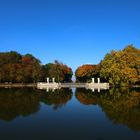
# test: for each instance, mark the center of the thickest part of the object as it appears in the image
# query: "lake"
(68, 114)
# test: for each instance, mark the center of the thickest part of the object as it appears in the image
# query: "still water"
(69, 114)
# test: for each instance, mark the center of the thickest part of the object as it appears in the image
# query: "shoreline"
(34, 85)
(18, 85)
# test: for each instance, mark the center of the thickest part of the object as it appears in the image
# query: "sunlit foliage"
(84, 73)
(122, 67)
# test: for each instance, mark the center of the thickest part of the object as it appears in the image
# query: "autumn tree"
(9, 57)
(8, 61)
(32, 68)
(122, 67)
(84, 73)
(60, 71)
(17, 68)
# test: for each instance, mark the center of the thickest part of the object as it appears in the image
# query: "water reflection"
(57, 98)
(121, 106)
(86, 97)
(17, 102)
(26, 101)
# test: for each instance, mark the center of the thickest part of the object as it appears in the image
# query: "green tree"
(122, 67)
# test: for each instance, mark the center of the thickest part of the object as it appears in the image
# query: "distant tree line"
(17, 68)
(118, 68)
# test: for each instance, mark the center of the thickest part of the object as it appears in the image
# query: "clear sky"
(75, 32)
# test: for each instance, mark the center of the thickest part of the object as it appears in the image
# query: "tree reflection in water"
(121, 106)
(26, 101)
(18, 102)
(86, 97)
(58, 98)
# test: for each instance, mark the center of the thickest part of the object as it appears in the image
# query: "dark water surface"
(69, 114)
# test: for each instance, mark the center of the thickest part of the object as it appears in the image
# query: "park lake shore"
(18, 85)
(34, 85)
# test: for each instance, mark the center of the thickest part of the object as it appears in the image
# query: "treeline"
(17, 68)
(118, 68)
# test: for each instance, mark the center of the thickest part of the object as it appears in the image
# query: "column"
(98, 89)
(93, 80)
(53, 89)
(93, 89)
(47, 90)
(47, 79)
(98, 80)
(53, 80)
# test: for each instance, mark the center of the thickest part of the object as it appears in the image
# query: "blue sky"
(75, 32)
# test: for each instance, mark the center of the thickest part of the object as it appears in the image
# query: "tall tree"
(122, 67)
